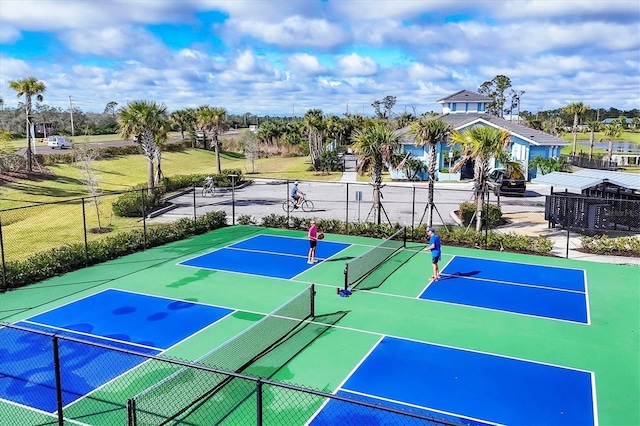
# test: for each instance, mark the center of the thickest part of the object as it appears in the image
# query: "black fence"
(599, 162)
(590, 216)
(65, 377)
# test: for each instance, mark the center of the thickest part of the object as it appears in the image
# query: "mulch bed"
(20, 175)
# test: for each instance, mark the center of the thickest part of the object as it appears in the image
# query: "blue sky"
(276, 57)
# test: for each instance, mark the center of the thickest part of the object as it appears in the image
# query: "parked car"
(503, 182)
(58, 142)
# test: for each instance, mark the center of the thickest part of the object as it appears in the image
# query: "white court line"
(420, 407)
(36, 410)
(95, 336)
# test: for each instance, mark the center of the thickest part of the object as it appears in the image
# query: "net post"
(312, 300)
(346, 276)
(404, 238)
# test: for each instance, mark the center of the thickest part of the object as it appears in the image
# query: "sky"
(284, 57)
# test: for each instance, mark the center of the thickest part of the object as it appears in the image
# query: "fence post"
(346, 218)
(131, 412)
(288, 212)
(56, 367)
(259, 402)
(144, 218)
(413, 213)
(86, 241)
(566, 220)
(195, 208)
(4, 266)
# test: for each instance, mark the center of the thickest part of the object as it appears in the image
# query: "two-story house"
(466, 109)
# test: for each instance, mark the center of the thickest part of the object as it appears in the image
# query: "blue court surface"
(266, 255)
(462, 385)
(550, 292)
(116, 318)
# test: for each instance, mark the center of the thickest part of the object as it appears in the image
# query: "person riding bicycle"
(296, 195)
(208, 182)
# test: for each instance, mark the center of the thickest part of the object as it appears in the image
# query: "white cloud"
(306, 64)
(354, 65)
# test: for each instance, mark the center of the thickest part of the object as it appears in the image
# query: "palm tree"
(315, 126)
(28, 87)
(375, 143)
(213, 120)
(150, 123)
(430, 131)
(593, 126)
(479, 144)
(611, 131)
(184, 119)
(577, 109)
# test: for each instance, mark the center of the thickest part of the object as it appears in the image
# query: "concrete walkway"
(534, 224)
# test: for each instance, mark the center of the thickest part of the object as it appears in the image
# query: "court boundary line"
(523, 263)
(594, 401)
(500, 282)
(526, 264)
(586, 294)
(218, 248)
(149, 360)
(39, 411)
(232, 311)
(91, 335)
(408, 404)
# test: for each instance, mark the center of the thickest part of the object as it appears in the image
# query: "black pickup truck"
(503, 182)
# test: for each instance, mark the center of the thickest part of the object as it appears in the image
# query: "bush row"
(468, 211)
(76, 256)
(622, 246)
(69, 157)
(455, 236)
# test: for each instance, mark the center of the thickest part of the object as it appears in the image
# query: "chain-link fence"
(30, 231)
(72, 381)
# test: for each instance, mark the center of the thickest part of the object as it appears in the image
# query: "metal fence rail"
(60, 390)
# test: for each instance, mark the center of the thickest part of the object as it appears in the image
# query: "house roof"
(466, 96)
(533, 136)
(587, 178)
(609, 120)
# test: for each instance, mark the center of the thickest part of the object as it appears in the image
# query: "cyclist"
(296, 195)
(208, 183)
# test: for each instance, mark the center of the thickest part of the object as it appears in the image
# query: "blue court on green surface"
(501, 339)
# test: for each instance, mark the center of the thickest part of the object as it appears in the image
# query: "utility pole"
(73, 132)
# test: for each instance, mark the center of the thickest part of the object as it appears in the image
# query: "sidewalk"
(534, 224)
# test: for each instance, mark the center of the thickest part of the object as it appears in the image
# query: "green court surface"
(348, 327)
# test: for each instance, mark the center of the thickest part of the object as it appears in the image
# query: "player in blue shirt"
(434, 247)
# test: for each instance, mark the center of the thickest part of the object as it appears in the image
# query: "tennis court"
(500, 339)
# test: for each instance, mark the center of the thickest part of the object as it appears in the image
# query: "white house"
(465, 109)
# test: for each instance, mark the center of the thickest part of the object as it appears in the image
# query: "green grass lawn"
(600, 137)
(55, 225)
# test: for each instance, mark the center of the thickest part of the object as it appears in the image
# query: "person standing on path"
(434, 248)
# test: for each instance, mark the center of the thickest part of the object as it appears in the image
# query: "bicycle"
(208, 188)
(306, 205)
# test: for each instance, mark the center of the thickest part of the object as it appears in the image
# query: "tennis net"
(168, 399)
(357, 269)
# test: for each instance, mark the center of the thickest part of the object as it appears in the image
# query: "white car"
(58, 142)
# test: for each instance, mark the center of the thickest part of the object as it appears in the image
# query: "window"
(454, 106)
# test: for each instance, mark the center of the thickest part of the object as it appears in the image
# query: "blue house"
(466, 109)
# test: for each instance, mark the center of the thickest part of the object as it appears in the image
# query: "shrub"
(138, 202)
(604, 245)
(468, 210)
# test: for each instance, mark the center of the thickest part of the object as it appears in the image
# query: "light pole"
(233, 198)
(73, 132)
(450, 158)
